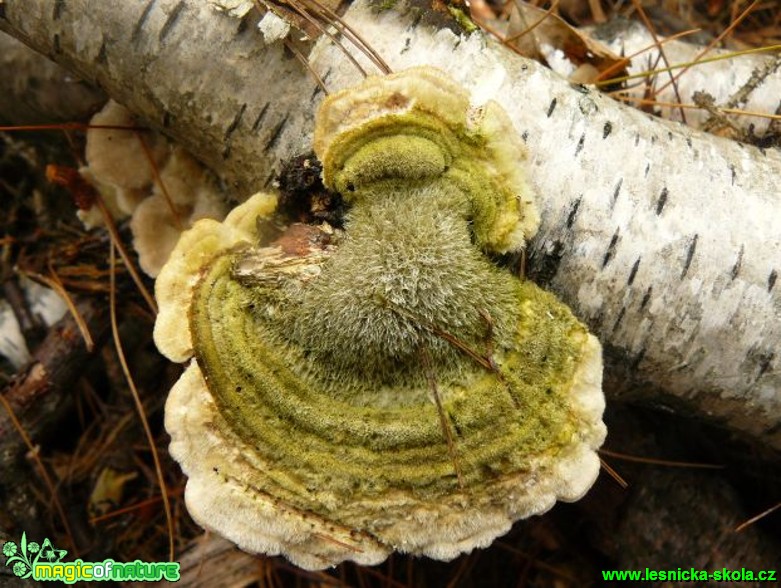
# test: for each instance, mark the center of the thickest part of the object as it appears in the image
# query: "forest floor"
(76, 461)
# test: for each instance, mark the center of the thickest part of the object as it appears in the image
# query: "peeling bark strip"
(693, 335)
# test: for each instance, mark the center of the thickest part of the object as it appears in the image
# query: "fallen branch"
(664, 239)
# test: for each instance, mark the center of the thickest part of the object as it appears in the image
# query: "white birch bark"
(750, 82)
(665, 240)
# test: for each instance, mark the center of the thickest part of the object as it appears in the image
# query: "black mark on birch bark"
(544, 270)
(551, 107)
(595, 322)
(606, 130)
(234, 123)
(733, 172)
(406, 46)
(619, 318)
(633, 272)
(573, 212)
(59, 7)
(646, 297)
(689, 142)
(637, 139)
(138, 29)
(662, 201)
(580, 144)
(771, 280)
(636, 361)
(689, 256)
(653, 139)
(764, 363)
(416, 18)
(647, 169)
(525, 136)
(171, 20)
(102, 57)
(738, 263)
(275, 133)
(616, 191)
(611, 249)
(669, 136)
(260, 117)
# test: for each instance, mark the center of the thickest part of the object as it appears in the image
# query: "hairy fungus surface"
(385, 386)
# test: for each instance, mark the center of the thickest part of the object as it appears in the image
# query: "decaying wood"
(36, 391)
(213, 561)
(37, 396)
(665, 240)
(685, 515)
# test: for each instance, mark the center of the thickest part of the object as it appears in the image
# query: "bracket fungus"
(159, 185)
(385, 386)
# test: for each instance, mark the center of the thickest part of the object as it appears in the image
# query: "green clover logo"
(18, 557)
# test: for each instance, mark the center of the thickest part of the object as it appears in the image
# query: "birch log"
(667, 241)
(749, 82)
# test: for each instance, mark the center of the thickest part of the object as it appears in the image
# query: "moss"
(419, 125)
(271, 393)
(463, 20)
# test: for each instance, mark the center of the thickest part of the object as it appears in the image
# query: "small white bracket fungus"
(123, 171)
(386, 387)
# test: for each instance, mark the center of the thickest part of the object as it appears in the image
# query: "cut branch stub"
(385, 387)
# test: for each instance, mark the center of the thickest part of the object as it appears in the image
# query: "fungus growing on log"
(385, 386)
(123, 165)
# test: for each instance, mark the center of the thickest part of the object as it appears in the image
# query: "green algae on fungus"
(386, 386)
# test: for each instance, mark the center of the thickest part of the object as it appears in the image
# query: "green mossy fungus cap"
(386, 386)
(422, 122)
